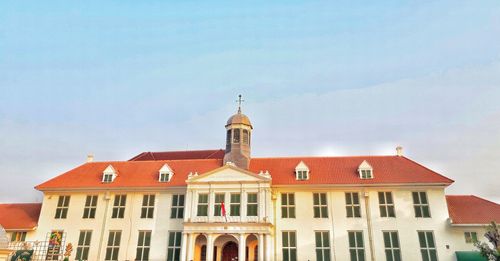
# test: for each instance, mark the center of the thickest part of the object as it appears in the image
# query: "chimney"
(399, 151)
(90, 158)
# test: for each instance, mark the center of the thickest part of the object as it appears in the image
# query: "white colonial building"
(223, 205)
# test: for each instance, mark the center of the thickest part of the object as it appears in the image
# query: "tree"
(493, 235)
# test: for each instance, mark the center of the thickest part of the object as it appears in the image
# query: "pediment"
(229, 174)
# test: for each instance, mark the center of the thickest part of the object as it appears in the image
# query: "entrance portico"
(225, 246)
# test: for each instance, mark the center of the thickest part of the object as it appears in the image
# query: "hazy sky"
(115, 78)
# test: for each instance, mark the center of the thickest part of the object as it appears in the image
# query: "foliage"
(493, 235)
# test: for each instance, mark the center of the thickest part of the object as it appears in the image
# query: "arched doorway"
(230, 252)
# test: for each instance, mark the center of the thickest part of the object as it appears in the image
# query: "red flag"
(223, 209)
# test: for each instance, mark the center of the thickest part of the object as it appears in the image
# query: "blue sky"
(116, 78)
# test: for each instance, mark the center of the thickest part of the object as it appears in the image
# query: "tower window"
(228, 141)
(245, 137)
(236, 136)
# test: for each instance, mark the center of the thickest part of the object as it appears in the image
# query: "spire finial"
(239, 101)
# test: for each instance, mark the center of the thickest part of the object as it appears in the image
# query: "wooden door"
(230, 252)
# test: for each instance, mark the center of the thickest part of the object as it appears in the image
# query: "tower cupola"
(238, 137)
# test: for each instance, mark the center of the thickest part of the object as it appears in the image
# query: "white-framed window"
(235, 204)
(386, 204)
(366, 174)
(148, 206)
(352, 206)
(301, 171)
(165, 174)
(113, 246)
(62, 207)
(90, 206)
(18, 236)
(421, 204)
(289, 242)
(143, 246)
(177, 206)
(365, 170)
(219, 199)
(287, 205)
(174, 246)
(470, 237)
(356, 245)
(252, 204)
(202, 210)
(427, 245)
(391, 244)
(320, 205)
(322, 245)
(83, 248)
(119, 206)
(107, 177)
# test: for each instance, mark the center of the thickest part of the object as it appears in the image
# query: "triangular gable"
(365, 165)
(228, 173)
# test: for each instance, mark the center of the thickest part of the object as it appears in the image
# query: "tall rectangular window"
(470, 237)
(143, 245)
(386, 204)
(322, 245)
(113, 246)
(352, 204)
(219, 198)
(356, 246)
(174, 246)
(252, 205)
(420, 204)
(427, 246)
(62, 207)
(119, 206)
(148, 206)
(177, 206)
(202, 210)
(289, 242)
(90, 206)
(287, 205)
(235, 204)
(82, 250)
(18, 236)
(391, 244)
(319, 205)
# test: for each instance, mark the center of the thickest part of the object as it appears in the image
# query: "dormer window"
(365, 170)
(301, 171)
(109, 174)
(165, 174)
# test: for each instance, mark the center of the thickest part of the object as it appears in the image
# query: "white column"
(210, 247)
(184, 246)
(261, 247)
(242, 247)
(190, 248)
(261, 198)
(269, 247)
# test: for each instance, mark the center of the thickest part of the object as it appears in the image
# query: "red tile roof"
(469, 209)
(180, 155)
(323, 170)
(344, 170)
(19, 216)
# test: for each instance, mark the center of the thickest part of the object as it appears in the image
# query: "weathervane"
(239, 101)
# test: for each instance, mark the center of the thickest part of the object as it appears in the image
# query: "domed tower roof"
(239, 118)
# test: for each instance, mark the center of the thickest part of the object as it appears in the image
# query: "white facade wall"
(448, 239)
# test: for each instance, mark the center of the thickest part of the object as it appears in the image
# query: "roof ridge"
(296, 157)
(22, 203)
(144, 161)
